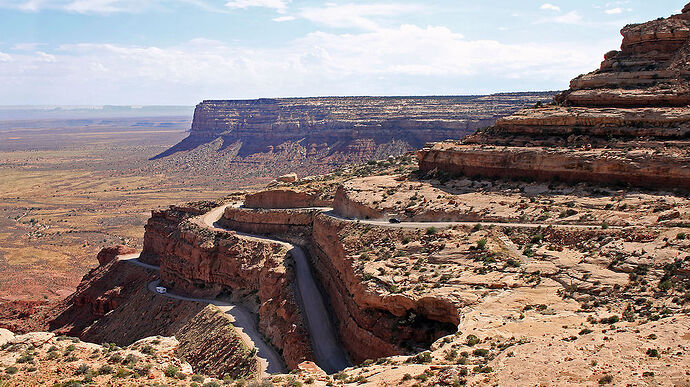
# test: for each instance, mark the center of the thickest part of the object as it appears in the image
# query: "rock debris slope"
(628, 122)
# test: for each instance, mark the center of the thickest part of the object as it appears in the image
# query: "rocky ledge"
(627, 122)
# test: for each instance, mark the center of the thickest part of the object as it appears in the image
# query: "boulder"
(289, 178)
(108, 254)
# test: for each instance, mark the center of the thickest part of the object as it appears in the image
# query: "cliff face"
(372, 323)
(198, 261)
(113, 305)
(343, 129)
(627, 122)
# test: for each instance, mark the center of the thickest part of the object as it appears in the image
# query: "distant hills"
(38, 112)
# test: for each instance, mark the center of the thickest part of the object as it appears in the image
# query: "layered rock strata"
(199, 261)
(285, 198)
(369, 322)
(628, 122)
(344, 129)
(113, 305)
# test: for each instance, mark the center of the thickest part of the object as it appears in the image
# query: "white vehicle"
(161, 289)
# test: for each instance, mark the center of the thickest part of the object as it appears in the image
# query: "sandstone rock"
(198, 261)
(631, 116)
(341, 130)
(5, 336)
(289, 178)
(108, 254)
(285, 198)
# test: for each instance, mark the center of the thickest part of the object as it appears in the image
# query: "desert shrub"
(481, 244)
(171, 371)
(197, 378)
(123, 373)
(652, 352)
(143, 370)
(131, 359)
(105, 369)
(665, 285)
(472, 340)
(482, 369)
(606, 379)
(83, 369)
(424, 357)
(512, 262)
(681, 236)
(11, 370)
(431, 231)
(480, 352)
(115, 358)
(26, 358)
(610, 320)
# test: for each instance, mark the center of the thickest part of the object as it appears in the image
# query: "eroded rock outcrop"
(336, 130)
(199, 261)
(371, 323)
(285, 198)
(628, 122)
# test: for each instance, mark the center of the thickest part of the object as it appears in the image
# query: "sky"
(180, 52)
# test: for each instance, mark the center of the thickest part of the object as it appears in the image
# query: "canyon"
(555, 241)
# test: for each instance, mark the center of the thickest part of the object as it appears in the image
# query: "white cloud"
(363, 16)
(284, 18)
(280, 5)
(617, 11)
(25, 46)
(5, 57)
(572, 17)
(550, 7)
(388, 61)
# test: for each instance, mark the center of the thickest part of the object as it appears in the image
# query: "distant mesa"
(627, 123)
(337, 130)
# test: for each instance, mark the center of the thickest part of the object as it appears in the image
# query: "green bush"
(83, 369)
(171, 371)
(472, 340)
(606, 379)
(481, 352)
(481, 244)
(105, 369)
(651, 352)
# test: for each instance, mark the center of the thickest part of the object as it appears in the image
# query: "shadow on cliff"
(190, 143)
(541, 187)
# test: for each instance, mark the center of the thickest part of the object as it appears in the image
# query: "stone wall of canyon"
(337, 130)
(198, 261)
(369, 321)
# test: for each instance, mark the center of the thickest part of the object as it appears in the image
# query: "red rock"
(631, 116)
(107, 254)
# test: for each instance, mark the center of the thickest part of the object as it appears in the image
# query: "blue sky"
(92, 52)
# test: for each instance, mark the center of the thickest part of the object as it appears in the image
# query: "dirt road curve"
(330, 355)
(243, 320)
